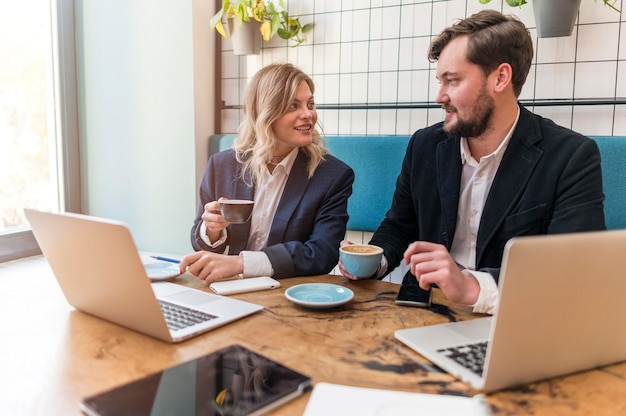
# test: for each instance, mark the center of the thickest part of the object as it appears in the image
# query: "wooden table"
(52, 356)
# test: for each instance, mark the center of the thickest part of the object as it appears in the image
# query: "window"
(38, 117)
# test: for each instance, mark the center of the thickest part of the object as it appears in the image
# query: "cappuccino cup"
(360, 260)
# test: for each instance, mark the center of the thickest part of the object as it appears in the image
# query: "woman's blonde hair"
(268, 96)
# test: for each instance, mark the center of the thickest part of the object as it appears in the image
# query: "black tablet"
(230, 382)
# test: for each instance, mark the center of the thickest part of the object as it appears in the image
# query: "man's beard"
(482, 111)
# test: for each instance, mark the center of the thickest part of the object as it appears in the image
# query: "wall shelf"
(427, 105)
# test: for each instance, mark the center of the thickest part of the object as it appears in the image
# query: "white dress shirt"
(476, 180)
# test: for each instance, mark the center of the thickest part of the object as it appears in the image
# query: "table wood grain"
(52, 355)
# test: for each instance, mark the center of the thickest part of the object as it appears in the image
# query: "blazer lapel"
(449, 182)
(518, 163)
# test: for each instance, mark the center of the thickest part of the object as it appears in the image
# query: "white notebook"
(339, 400)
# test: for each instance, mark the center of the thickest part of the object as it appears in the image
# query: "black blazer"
(310, 220)
(549, 181)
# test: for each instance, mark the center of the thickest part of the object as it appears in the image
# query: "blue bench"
(376, 161)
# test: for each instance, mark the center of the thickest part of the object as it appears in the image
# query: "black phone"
(413, 295)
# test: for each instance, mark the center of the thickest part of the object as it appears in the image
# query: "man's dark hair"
(494, 38)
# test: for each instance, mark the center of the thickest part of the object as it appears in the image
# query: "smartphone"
(413, 295)
(230, 287)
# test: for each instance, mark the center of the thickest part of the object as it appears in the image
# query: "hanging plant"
(273, 18)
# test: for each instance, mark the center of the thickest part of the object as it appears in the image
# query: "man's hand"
(432, 264)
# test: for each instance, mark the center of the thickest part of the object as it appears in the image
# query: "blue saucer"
(319, 295)
(160, 271)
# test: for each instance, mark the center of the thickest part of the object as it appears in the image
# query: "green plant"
(520, 3)
(273, 17)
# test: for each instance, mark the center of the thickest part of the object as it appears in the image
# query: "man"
(490, 171)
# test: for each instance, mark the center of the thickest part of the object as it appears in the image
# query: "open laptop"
(562, 310)
(100, 272)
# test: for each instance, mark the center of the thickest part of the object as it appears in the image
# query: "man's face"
(463, 93)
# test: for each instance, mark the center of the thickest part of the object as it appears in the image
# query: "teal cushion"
(376, 161)
(613, 154)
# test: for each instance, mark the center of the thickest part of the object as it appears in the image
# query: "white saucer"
(319, 295)
(160, 271)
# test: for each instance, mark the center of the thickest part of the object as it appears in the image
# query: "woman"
(300, 191)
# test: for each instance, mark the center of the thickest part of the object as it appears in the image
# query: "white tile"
(412, 86)
(415, 20)
(297, 8)
(327, 28)
(594, 120)
(373, 124)
(551, 50)
(598, 42)
(355, 25)
(409, 120)
(596, 12)
(328, 88)
(374, 55)
(554, 81)
(595, 79)
(329, 121)
(353, 88)
(325, 58)
(413, 53)
(230, 121)
(383, 87)
(353, 57)
(230, 91)
(383, 55)
(352, 122)
(445, 13)
(620, 90)
(622, 42)
(325, 6)
(561, 115)
(528, 90)
(302, 57)
(619, 128)
(385, 22)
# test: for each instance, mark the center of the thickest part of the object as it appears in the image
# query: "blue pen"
(166, 259)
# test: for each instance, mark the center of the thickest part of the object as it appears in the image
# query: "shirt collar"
(287, 163)
(499, 152)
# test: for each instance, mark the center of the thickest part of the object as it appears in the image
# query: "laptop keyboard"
(179, 317)
(471, 356)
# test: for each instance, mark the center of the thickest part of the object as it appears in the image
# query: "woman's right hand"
(213, 219)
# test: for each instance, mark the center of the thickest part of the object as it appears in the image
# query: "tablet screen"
(230, 382)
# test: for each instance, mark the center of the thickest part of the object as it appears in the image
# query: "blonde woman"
(300, 191)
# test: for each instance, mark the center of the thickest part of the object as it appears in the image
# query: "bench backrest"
(613, 154)
(377, 160)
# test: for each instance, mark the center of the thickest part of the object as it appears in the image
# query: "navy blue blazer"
(310, 220)
(549, 181)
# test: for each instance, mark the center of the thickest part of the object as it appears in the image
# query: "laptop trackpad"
(191, 297)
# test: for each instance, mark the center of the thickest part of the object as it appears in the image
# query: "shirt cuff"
(382, 269)
(488, 297)
(208, 242)
(256, 263)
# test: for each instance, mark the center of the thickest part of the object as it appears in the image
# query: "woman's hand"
(213, 220)
(210, 266)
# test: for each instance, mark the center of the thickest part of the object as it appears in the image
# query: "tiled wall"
(374, 52)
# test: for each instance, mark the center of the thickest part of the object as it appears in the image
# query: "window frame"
(18, 244)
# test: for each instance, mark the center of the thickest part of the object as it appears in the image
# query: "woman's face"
(295, 127)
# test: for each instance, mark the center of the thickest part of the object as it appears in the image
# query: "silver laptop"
(562, 310)
(100, 272)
